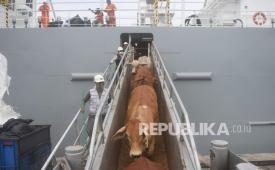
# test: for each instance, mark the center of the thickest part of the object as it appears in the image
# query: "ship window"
(12, 6)
(29, 3)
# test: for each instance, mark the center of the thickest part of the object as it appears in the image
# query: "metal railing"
(178, 108)
(98, 128)
(134, 16)
(124, 21)
(109, 76)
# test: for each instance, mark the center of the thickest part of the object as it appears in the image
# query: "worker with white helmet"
(125, 45)
(116, 59)
(94, 97)
(120, 50)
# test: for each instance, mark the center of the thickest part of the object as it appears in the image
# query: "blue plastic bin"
(27, 152)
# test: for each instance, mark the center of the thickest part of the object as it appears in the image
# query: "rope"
(7, 16)
(6, 5)
(156, 12)
(168, 12)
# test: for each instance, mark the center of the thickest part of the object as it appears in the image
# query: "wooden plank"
(259, 157)
(204, 160)
(266, 161)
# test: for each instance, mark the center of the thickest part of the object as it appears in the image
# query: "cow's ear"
(119, 134)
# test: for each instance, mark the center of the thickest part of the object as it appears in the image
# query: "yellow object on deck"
(6, 4)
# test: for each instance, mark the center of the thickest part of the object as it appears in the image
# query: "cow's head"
(138, 142)
(134, 64)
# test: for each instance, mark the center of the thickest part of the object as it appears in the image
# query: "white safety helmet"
(119, 49)
(125, 43)
(98, 78)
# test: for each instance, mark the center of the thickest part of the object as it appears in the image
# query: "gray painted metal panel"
(242, 62)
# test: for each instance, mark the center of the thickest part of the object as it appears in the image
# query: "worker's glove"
(112, 61)
(82, 110)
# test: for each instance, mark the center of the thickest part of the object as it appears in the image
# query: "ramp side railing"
(108, 74)
(178, 108)
(139, 15)
(111, 76)
(98, 129)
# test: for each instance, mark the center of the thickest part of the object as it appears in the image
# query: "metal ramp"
(175, 152)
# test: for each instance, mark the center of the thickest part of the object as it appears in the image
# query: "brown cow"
(143, 76)
(143, 163)
(142, 61)
(142, 108)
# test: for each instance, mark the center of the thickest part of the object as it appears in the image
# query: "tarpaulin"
(6, 111)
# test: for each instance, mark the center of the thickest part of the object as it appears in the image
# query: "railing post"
(76, 127)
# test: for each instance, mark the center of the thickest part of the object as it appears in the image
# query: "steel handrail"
(105, 75)
(60, 141)
(69, 128)
(204, 15)
(171, 10)
(98, 2)
(163, 76)
(184, 111)
(107, 70)
(80, 132)
(182, 108)
(98, 113)
(165, 86)
(86, 121)
(142, 9)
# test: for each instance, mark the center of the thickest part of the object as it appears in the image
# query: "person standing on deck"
(117, 58)
(99, 21)
(45, 17)
(125, 45)
(110, 9)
